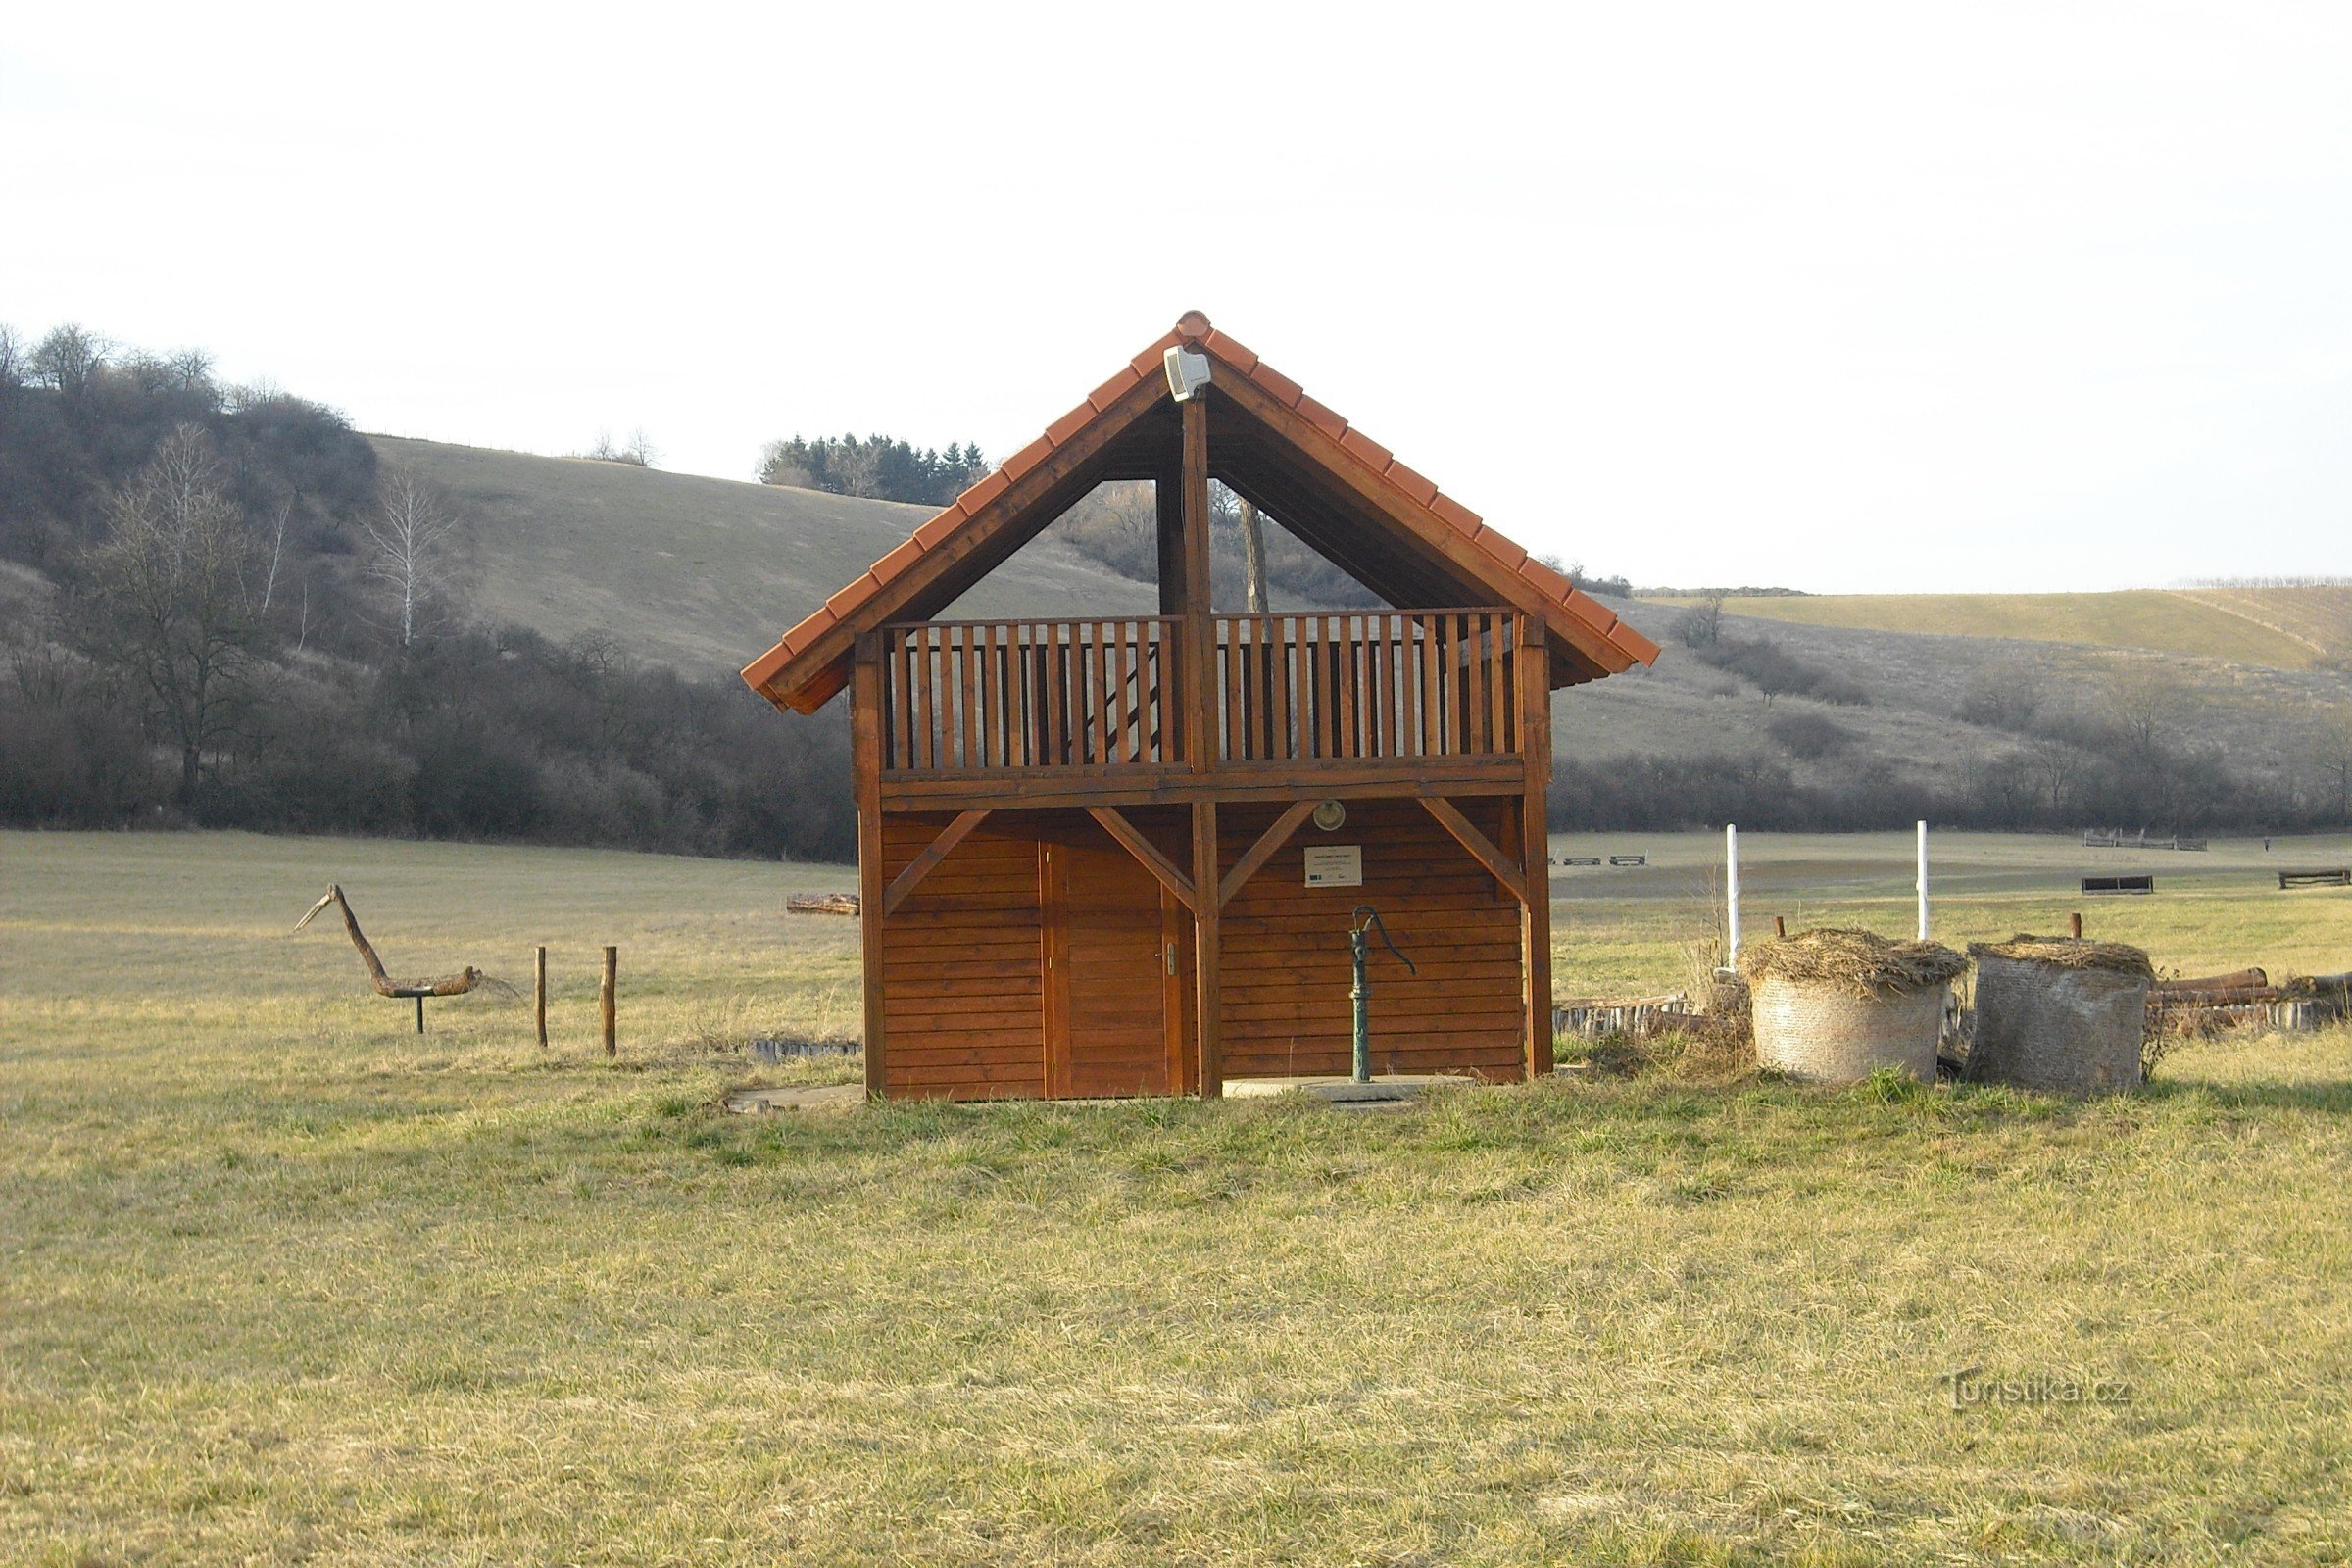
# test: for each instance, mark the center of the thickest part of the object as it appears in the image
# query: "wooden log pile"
(1593, 1017)
(823, 904)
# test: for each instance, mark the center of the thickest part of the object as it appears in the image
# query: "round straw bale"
(1834, 1006)
(1828, 1033)
(2058, 1014)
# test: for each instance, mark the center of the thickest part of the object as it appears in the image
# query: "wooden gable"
(1336, 488)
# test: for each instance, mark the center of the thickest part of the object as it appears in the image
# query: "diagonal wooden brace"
(1506, 870)
(1134, 842)
(1259, 854)
(920, 867)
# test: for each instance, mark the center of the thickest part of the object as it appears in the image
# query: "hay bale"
(1834, 1005)
(1828, 1035)
(1862, 963)
(2060, 1015)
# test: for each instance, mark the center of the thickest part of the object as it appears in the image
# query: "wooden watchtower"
(1089, 846)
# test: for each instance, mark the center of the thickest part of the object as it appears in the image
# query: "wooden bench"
(2337, 877)
(2119, 884)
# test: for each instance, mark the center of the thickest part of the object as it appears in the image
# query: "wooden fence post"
(2074, 926)
(539, 992)
(610, 994)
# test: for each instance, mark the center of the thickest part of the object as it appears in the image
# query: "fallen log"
(2235, 980)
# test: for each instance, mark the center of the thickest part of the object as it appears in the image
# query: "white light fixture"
(1330, 816)
(1188, 371)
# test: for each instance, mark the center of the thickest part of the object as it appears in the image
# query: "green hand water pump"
(1367, 920)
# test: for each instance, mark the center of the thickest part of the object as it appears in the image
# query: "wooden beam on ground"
(1143, 849)
(1451, 819)
(865, 757)
(920, 867)
(1259, 854)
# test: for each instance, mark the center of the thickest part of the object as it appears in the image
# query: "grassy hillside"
(701, 573)
(288, 1283)
(2282, 628)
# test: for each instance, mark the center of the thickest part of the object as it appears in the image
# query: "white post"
(1731, 885)
(1922, 881)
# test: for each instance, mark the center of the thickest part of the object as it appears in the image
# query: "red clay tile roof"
(1609, 641)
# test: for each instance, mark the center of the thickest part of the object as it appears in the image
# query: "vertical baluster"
(1506, 684)
(1017, 696)
(1425, 685)
(1239, 717)
(1278, 686)
(1481, 657)
(997, 681)
(902, 672)
(1498, 696)
(1314, 713)
(1460, 682)
(1099, 707)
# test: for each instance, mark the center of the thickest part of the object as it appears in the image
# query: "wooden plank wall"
(964, 1011)
(1284, 950)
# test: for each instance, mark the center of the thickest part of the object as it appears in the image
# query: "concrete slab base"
(1392, 1088)
(833, 1097)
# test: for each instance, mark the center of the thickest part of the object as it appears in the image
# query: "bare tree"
(2147, 704)
(2332, 744)
(1253, 560)
(409, 537)
(1702, 623)
(167, 599)
(68, 357)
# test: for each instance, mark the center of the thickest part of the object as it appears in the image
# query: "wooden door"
(1109, 958)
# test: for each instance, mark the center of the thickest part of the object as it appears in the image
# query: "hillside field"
(284, 1281)
(701, 573)
(2280, 628)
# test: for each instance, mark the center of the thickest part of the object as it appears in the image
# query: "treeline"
(878, 467)
(239, 622)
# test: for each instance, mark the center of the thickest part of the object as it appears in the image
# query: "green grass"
(280, 1281)
(2211, 626)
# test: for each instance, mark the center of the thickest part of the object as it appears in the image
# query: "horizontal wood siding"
(1285, 969)
(963, 1008)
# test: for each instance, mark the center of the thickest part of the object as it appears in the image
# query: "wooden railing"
(978, 696)
(1366, 684)
(969, 696)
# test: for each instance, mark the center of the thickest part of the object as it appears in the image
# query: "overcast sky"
(1873, 298)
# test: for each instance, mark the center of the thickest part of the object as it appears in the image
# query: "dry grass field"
(697, 572)
(282, 1282)
(2281, 628)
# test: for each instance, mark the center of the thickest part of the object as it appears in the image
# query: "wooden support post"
(865, 761)
(539, 992)
(1535, 842)
(2074, 925)
(1780, 925)
(1206, 1004)
(1201, 741)
(608, 995)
